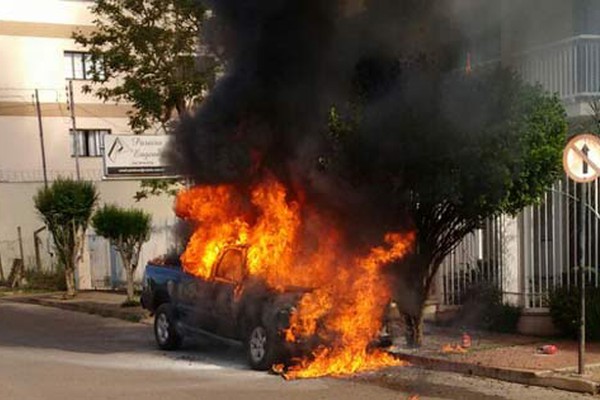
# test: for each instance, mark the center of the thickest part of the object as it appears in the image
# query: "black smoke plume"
(288, 62)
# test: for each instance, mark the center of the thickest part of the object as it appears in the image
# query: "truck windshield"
(231, 266)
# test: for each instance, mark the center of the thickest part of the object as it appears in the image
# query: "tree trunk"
(16, 274)
(70, 281)
(414, 329)
(1, 272)
(130, 292)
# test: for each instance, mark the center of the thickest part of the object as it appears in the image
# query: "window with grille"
(79, 65)
(89, 142)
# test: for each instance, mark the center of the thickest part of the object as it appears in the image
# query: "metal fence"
(550, 243)
(37, 175)
(477, 259)
(548, 249)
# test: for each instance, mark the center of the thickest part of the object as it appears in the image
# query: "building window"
(79, 65)
(90, 142)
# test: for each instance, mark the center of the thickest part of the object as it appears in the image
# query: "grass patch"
(45, 280)
(130, 303)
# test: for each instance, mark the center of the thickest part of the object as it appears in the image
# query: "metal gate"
(550, 243)
(477, 259)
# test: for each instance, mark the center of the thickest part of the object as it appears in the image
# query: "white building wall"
(47, 11)
(34, 34)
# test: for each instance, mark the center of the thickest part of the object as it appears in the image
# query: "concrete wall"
(536, 322)
(17, 210)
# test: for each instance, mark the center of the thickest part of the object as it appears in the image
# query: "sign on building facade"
(135, 156)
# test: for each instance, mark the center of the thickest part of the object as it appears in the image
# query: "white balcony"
(570, 67)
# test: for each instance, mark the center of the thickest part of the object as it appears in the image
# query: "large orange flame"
(293, 245)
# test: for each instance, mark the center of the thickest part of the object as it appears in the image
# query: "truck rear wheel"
(165, 331)
(262, 347)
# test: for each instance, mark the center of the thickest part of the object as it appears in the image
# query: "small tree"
(149, 53)
(145, 52)
(127, 230)
(490, 145)
(66, 207)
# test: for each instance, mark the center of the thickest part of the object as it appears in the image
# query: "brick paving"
(505, 351)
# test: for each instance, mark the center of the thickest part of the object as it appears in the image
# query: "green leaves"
(121, 225)
(66, 207)
(147, 51)
(65, 203)
(450, 150)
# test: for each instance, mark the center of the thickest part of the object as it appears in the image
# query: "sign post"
(581, 161)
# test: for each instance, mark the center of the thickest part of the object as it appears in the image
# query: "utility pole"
(71, 102)
(41, 130)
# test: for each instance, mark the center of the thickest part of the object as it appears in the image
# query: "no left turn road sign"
(581, 158)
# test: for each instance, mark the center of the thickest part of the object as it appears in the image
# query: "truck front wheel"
(261, 347)
(165, 332)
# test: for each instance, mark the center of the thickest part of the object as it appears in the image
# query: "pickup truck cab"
(229, 305)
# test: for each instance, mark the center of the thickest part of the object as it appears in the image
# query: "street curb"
(84, 307)
(526, 377)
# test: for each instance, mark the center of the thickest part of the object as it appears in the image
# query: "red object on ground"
(548, 349)
(466, 341)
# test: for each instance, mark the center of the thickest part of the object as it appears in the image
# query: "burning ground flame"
(290, 244)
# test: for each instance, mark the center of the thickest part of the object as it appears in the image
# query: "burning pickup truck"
(230, 306)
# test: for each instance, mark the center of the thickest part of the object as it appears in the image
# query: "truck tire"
(165, 331)
(262, 347)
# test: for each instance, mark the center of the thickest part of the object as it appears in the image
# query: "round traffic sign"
(581, 158)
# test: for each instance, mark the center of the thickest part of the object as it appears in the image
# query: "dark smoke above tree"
(364, 106)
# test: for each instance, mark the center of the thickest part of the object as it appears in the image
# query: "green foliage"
(66, 207)
(564, 309)
(46, 280)
(123, 227)
(65, 203)
(127, 230)
(489, 144)
(145, 52)
(500, 157)
(130, 303)
(483, 308)
(158, 187)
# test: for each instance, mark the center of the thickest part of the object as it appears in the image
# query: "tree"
(127, 230)
(146, 52)
(460, 149)
(66, 207)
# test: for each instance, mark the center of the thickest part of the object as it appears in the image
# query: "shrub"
(483, 308)
(127, 230)
(564, 310)
(66, 207)
(46, 280)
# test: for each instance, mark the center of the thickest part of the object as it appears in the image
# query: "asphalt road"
(51, 354)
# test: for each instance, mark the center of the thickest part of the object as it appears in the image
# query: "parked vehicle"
(230, 306)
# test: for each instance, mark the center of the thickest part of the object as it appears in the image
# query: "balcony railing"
(570, 67)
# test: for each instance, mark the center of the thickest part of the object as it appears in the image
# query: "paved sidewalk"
(513, 358)
(106, 304)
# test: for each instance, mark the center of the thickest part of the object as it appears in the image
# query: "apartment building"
(37, 55)
(555, 43)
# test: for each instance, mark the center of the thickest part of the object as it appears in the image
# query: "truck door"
(195, 297)
(229, 276)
